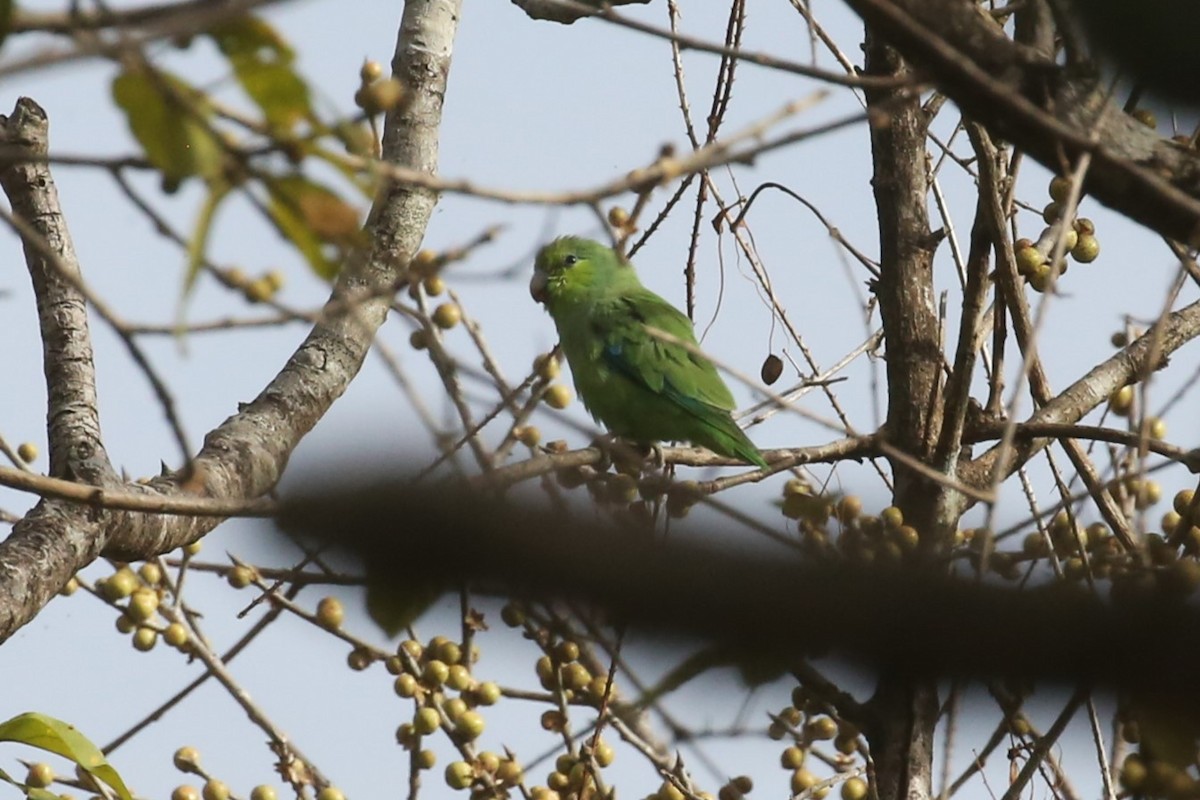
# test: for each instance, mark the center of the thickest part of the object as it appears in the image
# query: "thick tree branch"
(905, 709)
(1143, 356)
(1054, 113)
(72, 417)
(245, 456)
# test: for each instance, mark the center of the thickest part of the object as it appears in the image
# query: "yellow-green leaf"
(170, 121)
(320, 224)
(262, 62)
(198, 244)
(55, 736)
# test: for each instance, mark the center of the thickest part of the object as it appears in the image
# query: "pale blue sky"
(530, 105)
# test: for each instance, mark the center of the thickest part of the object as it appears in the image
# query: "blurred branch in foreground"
(906, 619)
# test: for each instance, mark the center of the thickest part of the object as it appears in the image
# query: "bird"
(640, 386)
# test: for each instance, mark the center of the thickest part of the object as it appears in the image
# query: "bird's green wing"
(666, 368)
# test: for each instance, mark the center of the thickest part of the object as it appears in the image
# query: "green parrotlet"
(639, 386)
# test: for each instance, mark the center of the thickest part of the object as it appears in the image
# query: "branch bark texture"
(1052, 112)
(245, 456)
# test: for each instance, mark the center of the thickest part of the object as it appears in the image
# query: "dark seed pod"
(772, 368)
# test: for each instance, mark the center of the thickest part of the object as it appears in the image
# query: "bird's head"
(572, 267)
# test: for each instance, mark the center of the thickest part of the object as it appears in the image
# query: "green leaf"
(56, 736)
(319, 223)
(262, 62)
(170, 121)
(198, 244)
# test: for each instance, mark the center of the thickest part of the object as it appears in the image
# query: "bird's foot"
(628, 456)
(656, 456)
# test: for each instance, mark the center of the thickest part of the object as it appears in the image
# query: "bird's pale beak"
(537, 286)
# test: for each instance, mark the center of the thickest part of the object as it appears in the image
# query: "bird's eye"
(570, 260)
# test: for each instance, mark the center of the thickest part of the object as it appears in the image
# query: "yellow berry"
(330, 612)
(185, 792)
(849, 508)
(274, 279)
(418, 339)
(1086, 249)
(487, 693)
(604, 753)
(821, 728)
(425, 262)
(455, 707)
(1156, 427)
(426, 759)
(119, 585)
(528, 435)
(434, 285)
(1059, 189)
(1052, 212)
(175, 635)
(264, 792)
(802, 780)
(144, 639)
(846, 745)
(459, 678)
(379, 96)
(186, 759)
(427, 721)
(150, 573)
(1039, 279)
(669, 791)
(470, 724)
(509, 772)
(546, 366)
(854, 789)
(447, 315)
(405, 685)
(435, 672)
(459, 775)
(618, 217)
(1070, 239)
(143, 604)
(1121, 401)
(1134, 773)
(892, 517)
(359, 659)
(1029, 259)
(258, 290)
(215, 790)
(558, 396)
(241, 576)
(370, 72)
(1183, 501)
(27, 452)
(40, 775)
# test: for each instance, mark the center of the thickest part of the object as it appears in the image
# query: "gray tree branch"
(72, 416)
(1054, 113)
(245, 456)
